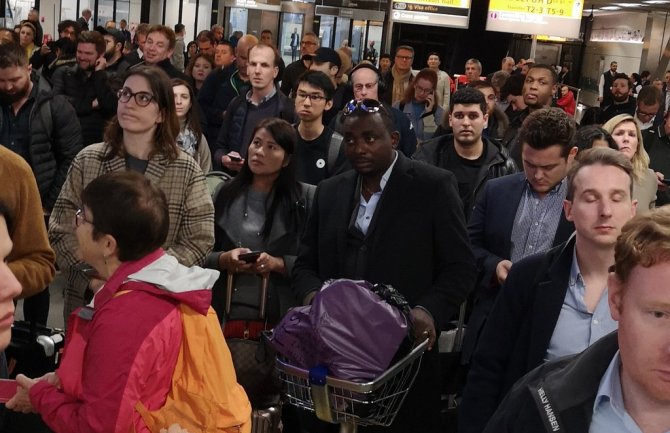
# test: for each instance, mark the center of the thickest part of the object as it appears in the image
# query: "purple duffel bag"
(349, 329)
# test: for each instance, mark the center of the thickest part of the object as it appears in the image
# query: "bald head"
(245, 43)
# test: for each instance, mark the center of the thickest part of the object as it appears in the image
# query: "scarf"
(400, 83)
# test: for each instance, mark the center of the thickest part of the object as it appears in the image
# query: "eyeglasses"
(142, 99)
(308, 43)
(643, 114)
(404, 57)
(368, 86)
(423, 90)
(366, 105)
(80, 218)
(301, 96)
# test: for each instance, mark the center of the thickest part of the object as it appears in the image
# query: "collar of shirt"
(555, 190)
(575, 273)
(387, 173)
(609, 390)
(264, 98)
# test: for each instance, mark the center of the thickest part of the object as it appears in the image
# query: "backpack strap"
(333, 151)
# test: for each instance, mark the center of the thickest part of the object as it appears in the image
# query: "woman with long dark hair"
(262, 210)
(142, 137)
(191, 138)
(199, 68)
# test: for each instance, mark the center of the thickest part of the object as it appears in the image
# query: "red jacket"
(124, 348)
(568, 103)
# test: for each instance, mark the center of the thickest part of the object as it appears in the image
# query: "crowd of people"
(155, 174)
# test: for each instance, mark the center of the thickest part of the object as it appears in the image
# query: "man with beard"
(36, 125)
(472, 158)
(539, 87)
(114, 41)
(604, 85)
(622, 101)
(86, 86)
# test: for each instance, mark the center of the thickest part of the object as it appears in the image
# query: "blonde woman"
(628, 138)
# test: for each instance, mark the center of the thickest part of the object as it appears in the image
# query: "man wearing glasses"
(396, 221)
(648, 104)
(319, 153)
(308, 46)
(400, 75)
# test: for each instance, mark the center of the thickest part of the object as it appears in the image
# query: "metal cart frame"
(352, 403)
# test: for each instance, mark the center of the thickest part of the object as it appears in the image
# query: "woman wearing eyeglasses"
(421, 105)
(121, 352)
(142, 138)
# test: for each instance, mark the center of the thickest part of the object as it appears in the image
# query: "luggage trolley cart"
(352, 403)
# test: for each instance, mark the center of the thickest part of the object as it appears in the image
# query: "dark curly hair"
(548, 127)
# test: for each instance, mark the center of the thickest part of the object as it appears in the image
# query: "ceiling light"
(656, 2)
(628, 5)
(610, 8)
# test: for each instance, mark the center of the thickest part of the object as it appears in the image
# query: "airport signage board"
(536, 17)
(446, 13)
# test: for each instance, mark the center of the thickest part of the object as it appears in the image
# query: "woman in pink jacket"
(121, 349)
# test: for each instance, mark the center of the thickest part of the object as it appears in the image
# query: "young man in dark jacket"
(245, 111)
(39, 127)
(87, 88)
(473, 159)
(621, 382)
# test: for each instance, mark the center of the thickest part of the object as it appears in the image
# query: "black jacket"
(416, 242)
(517, 333)
(81, 90)
(557, 396)
(54, 142)
(497, 163)
(282, 241)
(657, 145)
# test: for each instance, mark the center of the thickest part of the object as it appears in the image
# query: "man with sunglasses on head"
(319, 153)
(395, 221)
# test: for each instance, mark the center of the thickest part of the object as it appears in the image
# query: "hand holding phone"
(250, 257)
(430, 101)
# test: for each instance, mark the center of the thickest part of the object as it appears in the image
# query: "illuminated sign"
(446, 13)
(545, 17)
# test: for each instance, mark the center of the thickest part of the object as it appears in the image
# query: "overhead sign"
(446, 13)
(532, 17)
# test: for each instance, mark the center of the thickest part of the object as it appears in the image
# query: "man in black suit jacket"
(521, 214)
(395, 221)
(554, 304)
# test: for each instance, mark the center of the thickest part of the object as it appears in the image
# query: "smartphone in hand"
(250, 257)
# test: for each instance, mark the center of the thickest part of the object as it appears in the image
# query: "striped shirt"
(536, 221)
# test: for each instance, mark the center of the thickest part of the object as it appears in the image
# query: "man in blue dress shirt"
(622, 382)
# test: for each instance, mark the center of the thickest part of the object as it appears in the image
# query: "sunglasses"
(364, 105)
